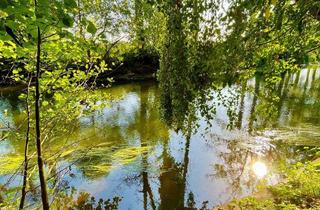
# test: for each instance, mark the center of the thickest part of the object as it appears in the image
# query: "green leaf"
(70, 4)
(91, 28)
(3, 4)
(83, 21)
(58, 96)
(45, 103)
(67, 21)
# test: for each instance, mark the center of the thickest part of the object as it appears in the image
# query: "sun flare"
(259, 169)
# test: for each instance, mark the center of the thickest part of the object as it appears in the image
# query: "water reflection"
(126, 150)
(259, 169)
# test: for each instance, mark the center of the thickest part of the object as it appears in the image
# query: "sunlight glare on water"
(259, 169)
(127, 151)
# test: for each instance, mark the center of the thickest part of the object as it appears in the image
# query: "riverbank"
(299, 190)
(136, 65)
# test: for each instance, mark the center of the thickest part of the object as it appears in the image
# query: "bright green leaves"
(17, 75)
(45, 103)
(3, 15)
(58, 97)
(91, 28)
(7, 49)
(24, 18)
(15, 71)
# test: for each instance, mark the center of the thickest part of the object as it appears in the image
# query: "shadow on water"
(126, 156)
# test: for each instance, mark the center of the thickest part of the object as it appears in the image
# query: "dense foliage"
(64, 47)
(228, 41)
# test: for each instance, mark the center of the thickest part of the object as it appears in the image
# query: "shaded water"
(127, 151)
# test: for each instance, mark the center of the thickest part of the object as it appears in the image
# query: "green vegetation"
(300, 190)
(62, 51)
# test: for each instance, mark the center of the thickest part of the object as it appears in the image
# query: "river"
(127, 151)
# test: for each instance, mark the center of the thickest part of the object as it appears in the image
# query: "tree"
(38, 30)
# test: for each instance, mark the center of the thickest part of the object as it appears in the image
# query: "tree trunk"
(26, 161)
(44, 194)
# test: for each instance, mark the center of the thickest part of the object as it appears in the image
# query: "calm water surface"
(126, 150)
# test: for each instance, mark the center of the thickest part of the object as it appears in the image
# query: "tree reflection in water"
(127, 151)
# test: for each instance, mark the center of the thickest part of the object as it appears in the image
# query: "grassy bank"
(300, 190)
